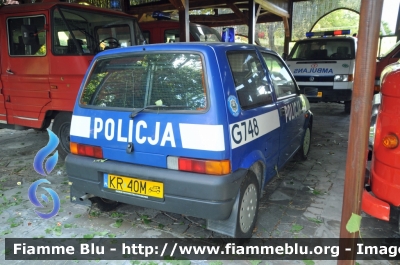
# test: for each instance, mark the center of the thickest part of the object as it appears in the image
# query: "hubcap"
(248, 208)
(306, 142)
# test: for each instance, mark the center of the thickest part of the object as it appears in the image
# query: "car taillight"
(212, 167)
(390, 141)
(86, 150)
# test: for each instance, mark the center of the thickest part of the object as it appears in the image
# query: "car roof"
(180, 46)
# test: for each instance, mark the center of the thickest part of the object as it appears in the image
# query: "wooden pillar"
(125, 6)
(370, 17)
(288, 32)
(184, 35)
(183, 12)
(251, 22)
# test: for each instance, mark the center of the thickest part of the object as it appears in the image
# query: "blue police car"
(191, 128)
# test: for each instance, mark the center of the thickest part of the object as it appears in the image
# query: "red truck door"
(25, 68)
(3, 113)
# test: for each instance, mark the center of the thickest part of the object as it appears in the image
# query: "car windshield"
(203, 33)
(172, 81)
(323, 49)
(79, 31)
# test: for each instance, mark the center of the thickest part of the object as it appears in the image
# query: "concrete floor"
(304, 201)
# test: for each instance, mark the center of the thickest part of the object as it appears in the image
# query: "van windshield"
(323, 49)
(172, 81)
(79, 31)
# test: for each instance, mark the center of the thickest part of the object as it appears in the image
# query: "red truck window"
(26, 36)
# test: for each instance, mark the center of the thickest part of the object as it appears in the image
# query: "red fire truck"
(45, 50)
(383, 182)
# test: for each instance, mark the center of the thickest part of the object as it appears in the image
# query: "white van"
(324, 66)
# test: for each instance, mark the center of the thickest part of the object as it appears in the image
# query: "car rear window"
(172, 81)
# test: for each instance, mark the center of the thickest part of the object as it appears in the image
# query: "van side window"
(26, 36)
(250, 81)
(283, 83)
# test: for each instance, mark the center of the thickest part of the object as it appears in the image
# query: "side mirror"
(29, 35)
(284, 56)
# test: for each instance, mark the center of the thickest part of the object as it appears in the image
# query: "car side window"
(27, 36)
(250, 81)
(282, 81)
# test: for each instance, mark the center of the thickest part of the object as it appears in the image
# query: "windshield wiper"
(136, 112)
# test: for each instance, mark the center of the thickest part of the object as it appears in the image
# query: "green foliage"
(340, 19)
(296, 228)
(94, 82)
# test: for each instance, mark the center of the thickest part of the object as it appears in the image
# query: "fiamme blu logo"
(44, 167)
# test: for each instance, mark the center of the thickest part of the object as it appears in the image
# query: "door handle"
(8, 71)
(283, 112)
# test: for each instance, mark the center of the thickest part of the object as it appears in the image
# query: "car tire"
(248, 206)
(304, 150)
(347, 107)
(104, 205)
(61, 127)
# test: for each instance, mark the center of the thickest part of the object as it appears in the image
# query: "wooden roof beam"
(229, 19)
(238, 12)
(273, 8)
(178, 4)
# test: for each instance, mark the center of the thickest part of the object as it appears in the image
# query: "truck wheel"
(347, 107)
(248, 206)
(61, 127)
(304, 149)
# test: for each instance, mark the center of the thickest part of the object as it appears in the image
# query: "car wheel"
(61, 127)
(347, 107)
(248, 206)
(304, 149)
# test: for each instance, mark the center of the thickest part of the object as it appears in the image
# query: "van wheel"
(347, 107)
(248, 206)
(304, 149)
(104, 205)
(61, 127)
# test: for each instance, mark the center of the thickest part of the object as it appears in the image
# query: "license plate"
(319, 94)
(134, 186)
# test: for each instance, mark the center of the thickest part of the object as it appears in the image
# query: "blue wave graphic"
(32, 197)
(43, 153)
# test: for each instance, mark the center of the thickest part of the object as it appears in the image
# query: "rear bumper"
(374, 206)
(198, 195)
